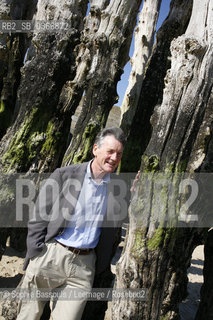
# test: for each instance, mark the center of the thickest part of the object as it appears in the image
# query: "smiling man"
(64, 254)
(107, 152)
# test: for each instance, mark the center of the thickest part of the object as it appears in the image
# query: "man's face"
(108, 155)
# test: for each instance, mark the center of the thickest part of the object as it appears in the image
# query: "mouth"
(111, 164)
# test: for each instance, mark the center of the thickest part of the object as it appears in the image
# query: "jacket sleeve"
(37, 226)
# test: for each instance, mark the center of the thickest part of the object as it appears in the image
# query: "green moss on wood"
(150, 164)
(139, 241)
(156, 241)
(18, 151)
(164, 238)
(2, 108)
(169, 239)
(52, 139)
(37, 137)
(5, 118)
(87, 141)
(171, 167)
(182, 165)
(164, 318)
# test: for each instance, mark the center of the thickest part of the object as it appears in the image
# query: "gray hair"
(116, 132)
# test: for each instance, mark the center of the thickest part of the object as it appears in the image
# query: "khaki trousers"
(58, 270)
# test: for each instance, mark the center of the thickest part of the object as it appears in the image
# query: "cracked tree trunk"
(36, 142)
(153, 83)
(144, 37)
(157, 253)
(205, 310)
(37, 139)
(102, 56)
(12, 51)
(89, 58)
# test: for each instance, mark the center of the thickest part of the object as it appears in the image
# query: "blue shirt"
(83, 231)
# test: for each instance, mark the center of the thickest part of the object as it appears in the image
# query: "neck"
(97, 174)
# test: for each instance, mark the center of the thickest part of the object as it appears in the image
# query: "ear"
(94, 149)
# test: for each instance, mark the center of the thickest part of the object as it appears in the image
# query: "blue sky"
(123, 83)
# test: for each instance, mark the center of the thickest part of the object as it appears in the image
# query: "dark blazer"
(53, 209)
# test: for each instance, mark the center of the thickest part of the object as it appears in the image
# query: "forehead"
(110, 142)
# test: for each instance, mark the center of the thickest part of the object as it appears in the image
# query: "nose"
(114, 156)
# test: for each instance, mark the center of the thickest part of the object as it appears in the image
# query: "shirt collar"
(106, 178)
